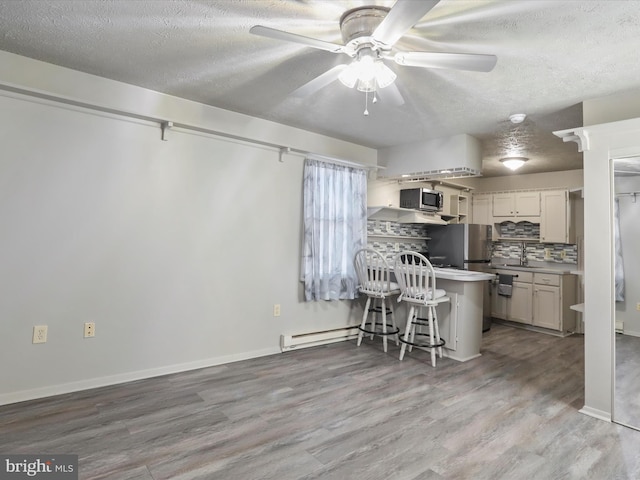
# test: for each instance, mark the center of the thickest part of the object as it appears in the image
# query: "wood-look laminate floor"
(342, 412)
(626, 405)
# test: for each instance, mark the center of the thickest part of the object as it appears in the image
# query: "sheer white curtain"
(335, 227)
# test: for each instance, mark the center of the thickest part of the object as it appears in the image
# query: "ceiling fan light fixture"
(369, 75)
(367, 85)
(349, 76)
(513, 163)
(384, 75)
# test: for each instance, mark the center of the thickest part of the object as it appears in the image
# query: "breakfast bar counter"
(461, 320)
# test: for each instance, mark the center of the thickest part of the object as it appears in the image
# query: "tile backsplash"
(379, 227)
(520, 230)
(536, 252)
(391, 237)
(386, 236)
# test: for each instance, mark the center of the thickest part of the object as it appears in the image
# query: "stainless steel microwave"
(421, 199)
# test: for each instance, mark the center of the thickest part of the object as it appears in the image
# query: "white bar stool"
(375, 282)
(417, 281)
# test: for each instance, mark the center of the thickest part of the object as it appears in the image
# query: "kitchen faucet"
(523, 255)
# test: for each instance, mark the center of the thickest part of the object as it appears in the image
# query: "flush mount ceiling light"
(517, 118)
(513, 163)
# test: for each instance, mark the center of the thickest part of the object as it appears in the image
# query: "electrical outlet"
(89, 329)
(638, 306)
(388, 226)
(397, 246)
(547, 253)
(563, 254)
(39, 334)
(276, 310)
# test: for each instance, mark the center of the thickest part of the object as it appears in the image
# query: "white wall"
(606, 141)
(613, 108)
(177, 250)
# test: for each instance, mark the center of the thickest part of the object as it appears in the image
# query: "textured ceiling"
(552, 55)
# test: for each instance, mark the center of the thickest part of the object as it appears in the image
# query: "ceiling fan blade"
(319, 82)
(391, 94)
(292, 37)
(459, 61)
(404, 15)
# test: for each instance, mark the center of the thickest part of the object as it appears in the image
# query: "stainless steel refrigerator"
(464, 246)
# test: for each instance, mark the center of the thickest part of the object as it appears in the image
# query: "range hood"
(452, 157)
(403, 215)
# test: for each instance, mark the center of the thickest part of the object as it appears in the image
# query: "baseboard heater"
(312, 339)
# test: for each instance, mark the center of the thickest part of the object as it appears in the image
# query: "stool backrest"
(415, 276)
(373, 272)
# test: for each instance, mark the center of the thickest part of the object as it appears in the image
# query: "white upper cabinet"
(516, 204)
(482, 212)
(554, 217)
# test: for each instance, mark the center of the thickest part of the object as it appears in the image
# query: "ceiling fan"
(369, 33)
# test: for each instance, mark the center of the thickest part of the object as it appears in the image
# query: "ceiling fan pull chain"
(375, 97)
(366, 103)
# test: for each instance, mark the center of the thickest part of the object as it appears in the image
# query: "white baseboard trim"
(24, 395)
(595, 413)
(312, 339)
(453, 356)
(631, 333)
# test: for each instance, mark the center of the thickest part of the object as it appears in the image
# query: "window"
(335, 227)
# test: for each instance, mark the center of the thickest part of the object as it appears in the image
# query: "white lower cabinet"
(537, 299)
(520, 306)
(546, 307)
(517, 307)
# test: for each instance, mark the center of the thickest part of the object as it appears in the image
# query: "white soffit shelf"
(452, 157)
(403, 215)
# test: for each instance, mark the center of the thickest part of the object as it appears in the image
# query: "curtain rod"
(629, 194)
(340, 161)
(166, 126)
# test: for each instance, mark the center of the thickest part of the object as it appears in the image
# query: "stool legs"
(408, 330)
(437, 329)
(384, 325)
(432, 339)
(370, 307)
(364, 320)
(434, 332)
(393, 322)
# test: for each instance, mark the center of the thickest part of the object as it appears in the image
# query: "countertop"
(462, 275)
(559, 270)
(459, 275)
